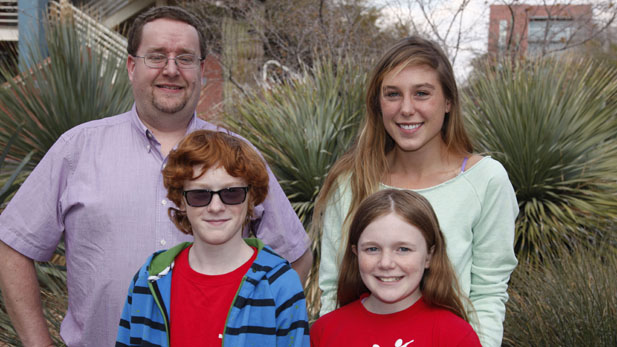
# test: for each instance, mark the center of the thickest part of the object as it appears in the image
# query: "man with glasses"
(100, 188)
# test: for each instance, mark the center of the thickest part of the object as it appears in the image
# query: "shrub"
(551, 123)
(570, 300)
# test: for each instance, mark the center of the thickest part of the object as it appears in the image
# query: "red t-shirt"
(200, 303)
(419, 325)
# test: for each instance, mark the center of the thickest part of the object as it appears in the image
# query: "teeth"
(409, 126)
(389, 279)
(170, 87)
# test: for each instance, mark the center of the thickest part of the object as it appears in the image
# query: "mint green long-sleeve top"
(476, 212)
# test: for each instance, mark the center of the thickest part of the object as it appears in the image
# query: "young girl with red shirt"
(396, 285)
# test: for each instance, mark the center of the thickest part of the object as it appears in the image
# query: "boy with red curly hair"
(220, 289)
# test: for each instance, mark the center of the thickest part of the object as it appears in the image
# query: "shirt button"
(163, 242)
(149, 134)
(164, 202)
(148, 148)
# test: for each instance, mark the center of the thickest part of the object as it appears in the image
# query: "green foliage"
(302, 126)
(71, 84)
(551, 123)
(51, 276)
(567, 301)
(10, 180)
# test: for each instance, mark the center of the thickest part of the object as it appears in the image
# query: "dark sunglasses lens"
(198, 198)
(233, 196)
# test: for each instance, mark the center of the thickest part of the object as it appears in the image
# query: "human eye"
(156, 58)
(422, 94)
(390, 94)
(186, 59)
(404, 249)
(371, 249)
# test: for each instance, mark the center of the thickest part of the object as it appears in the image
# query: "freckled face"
(413, 108)
(167, 90)
(392, 256)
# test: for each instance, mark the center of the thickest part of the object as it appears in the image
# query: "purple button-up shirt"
(100, 185)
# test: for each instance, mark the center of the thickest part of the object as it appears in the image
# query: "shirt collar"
(141, 128)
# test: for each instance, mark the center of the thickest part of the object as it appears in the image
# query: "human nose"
(407, 106)
(216, 204)
(386, 261)
(171, 67)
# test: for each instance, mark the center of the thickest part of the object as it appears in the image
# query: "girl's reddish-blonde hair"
(210, 149)
(439, 284)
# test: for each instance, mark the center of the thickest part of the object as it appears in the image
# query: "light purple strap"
(464, 164)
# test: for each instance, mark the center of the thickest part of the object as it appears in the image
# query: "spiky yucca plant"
(301, 127)
(71, 84)
(551, 123)
(569, 300)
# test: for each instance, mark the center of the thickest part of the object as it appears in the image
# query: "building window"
(546, 35)
(503, 35)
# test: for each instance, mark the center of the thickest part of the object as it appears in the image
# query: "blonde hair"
(366, 161)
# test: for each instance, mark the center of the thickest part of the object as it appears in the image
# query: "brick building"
(527, 30)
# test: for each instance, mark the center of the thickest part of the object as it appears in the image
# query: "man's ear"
(202, 67)
(130, 67)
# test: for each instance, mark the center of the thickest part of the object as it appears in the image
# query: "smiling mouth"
(389, 279)
(163, 86)
(216, 221)
(410, 126)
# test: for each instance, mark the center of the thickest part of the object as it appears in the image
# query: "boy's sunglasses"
(203, 197)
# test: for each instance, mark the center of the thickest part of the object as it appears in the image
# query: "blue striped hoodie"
(269, 308)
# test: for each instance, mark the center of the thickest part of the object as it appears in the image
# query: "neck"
(167, 130)
(421, 169)
(375, 305)
(219, 259)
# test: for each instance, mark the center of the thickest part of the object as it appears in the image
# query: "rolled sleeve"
(32, 223)
(278, 226)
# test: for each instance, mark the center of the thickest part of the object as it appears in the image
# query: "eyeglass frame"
(167, 59)
(215, 192)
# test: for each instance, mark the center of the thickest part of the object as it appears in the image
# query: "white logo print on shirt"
(398, 343)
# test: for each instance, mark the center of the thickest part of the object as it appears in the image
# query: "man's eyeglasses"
(203, 197)
(160, 60)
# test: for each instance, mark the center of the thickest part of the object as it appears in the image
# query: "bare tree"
(454, 25)
(539, 27)
(549, 27)
(290, 35)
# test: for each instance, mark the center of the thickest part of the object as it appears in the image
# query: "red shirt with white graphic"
(418, 325)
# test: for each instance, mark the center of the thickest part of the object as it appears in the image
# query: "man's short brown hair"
(168, 12)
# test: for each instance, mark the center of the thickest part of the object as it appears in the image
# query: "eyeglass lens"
(203, 197)
(184, 61)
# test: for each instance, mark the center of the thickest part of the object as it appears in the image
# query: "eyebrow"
(164, 51)
(415, 86)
